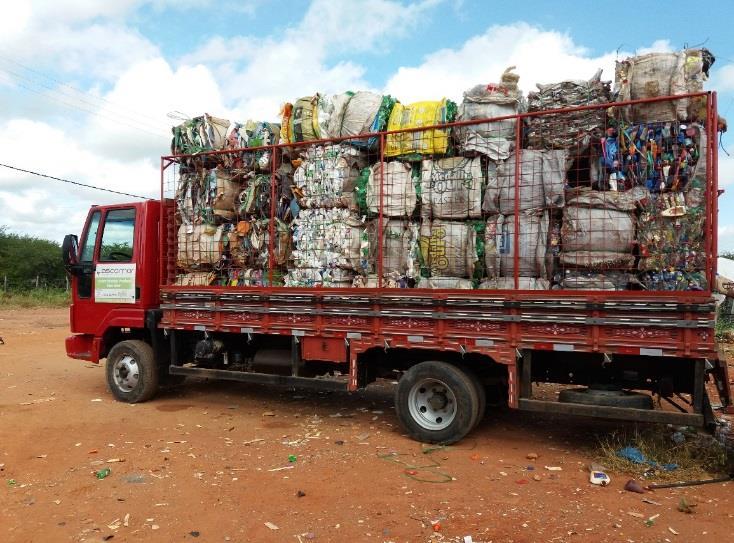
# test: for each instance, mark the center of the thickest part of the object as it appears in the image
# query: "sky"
(89, 88)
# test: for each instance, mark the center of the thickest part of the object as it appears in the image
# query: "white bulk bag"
(541, 182)
(454, 283)
(199, 245)
(499, 247)
(354, 114)
(448, 248)
(508, 283)
(451, 188)
(399, 196)
(593, 229)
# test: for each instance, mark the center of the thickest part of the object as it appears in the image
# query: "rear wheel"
(481, 394)
(437, 402)
(132, 374)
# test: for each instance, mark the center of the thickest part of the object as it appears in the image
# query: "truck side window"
(84, 281)
(91, 238)
(117, 236)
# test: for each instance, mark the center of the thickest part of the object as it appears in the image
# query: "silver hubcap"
(126, 373)
(432, 404)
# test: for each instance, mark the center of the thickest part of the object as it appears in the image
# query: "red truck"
(620, 329)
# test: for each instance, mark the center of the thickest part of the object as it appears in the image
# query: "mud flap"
(720, 373)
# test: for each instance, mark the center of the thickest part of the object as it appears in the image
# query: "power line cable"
(73, 182)
(130, 113)
(80, 108)
(48, 94)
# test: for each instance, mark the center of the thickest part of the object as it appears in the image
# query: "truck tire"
(132, 374)
(437, 402)
(481, 394)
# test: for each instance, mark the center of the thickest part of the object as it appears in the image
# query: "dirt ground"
(231, 462)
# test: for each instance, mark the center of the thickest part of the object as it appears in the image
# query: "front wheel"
(132, 374)
(436, 402)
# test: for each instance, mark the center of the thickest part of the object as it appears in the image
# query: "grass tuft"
(699, 456)
(35, 298)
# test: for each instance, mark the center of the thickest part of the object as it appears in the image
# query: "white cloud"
(151, 90)
(540, 56)
(238, 78)
(47, 208)
(722, 79)
(658, 46)
(726, 238)
(260, 74)
(726, 169)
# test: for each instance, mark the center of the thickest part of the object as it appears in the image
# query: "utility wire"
(50, 96)
(73, 182)
(78, 94)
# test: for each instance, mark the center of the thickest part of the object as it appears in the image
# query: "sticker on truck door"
(114, 283)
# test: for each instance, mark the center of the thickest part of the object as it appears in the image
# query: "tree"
(23, 258)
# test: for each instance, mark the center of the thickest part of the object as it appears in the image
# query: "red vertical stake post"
(162, 233)
(379, 220)
(516, 234)
(273, 207)
(712, 161)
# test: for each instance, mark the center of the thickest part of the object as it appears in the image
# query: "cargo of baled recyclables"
(609, 198)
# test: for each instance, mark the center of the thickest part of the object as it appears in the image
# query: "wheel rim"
(432, 404)
(126, 373)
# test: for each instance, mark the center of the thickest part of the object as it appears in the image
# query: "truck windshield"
(117, 237)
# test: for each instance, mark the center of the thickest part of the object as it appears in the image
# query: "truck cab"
(114, 277)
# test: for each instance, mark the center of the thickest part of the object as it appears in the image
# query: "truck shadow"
(517, 429)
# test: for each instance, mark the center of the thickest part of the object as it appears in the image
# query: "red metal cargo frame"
(489, 322)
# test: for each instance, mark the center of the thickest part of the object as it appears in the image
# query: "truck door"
(106, 277)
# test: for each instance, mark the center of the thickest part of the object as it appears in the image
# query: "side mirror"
(70, 252)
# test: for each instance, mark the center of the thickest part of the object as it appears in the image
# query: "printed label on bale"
(114, 283)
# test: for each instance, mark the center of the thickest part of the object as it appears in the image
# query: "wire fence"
(37, 282)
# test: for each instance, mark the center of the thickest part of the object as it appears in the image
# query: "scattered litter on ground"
(135, 478)
(39, 400)
(272, 526)
(599, 478)
(691, 483)
(425, 473)
(101, 474)
(634, 455)
(634, 486)
(685, 507)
